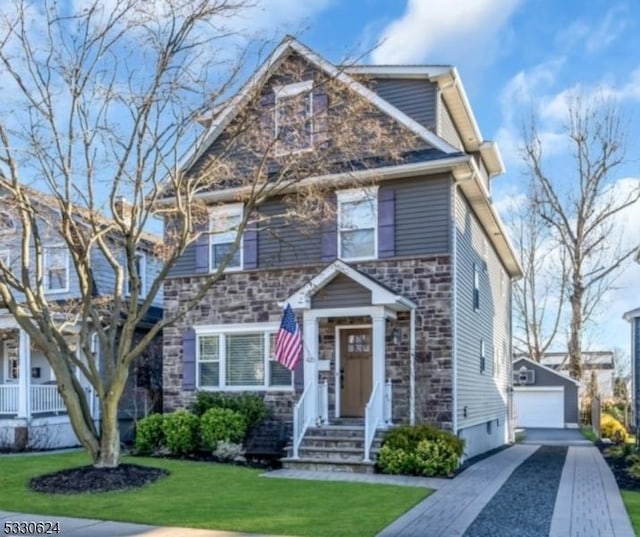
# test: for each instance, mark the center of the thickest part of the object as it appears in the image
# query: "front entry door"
(355, 371)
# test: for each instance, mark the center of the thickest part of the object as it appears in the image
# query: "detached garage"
(543, 397)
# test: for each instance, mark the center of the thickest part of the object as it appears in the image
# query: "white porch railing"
(46, 398)
(323, 402)
(9, 394)
(303, 415)
(373, 417)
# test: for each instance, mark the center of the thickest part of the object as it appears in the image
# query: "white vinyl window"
(224, 225)
(235, 358)
(483, 364)
(293, 117)
(358, 223)
(140, 261)
(56, 269)
(476, 287)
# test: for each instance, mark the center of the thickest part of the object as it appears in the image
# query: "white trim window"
(476, 287)
(140, 261)
(358, 223)
(293, 118)
(240, 358)
(223, 226)
(56, 269)
(483, 361)
(11, 370)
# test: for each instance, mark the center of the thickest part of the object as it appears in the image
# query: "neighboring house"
(410, 325)
(600, 363)
(543, 397)
(633, 318)
(32, 412)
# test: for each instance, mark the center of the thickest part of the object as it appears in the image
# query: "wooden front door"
(355, 371)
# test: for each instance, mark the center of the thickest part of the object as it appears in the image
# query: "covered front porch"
(351, 326)
(29, 396)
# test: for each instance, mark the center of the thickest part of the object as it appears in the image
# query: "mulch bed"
(91, 479)
(618, 466)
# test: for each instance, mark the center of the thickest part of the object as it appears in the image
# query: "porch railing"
(323, 402)
(9, 398)
(46, 398)
(372, 418)
(303, 415)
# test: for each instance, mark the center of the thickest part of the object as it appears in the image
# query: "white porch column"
(379, 324)
(310, 354)
(24, 376)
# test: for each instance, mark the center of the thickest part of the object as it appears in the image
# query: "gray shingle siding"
(446, 128)
(481, 395)
(342, 292)
(416, 98)
(422, 216)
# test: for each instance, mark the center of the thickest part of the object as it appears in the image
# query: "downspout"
(454, 311)
(412, 366)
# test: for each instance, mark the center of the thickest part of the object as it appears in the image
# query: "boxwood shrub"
(251, 406)
(611, 428)
(221, 425)
(419, 450)
(149, 434)
(181, 432)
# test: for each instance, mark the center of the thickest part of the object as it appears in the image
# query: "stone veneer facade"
(253, 297)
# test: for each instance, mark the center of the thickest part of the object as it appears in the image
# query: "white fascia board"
(493, 159)
(631, 314)
(399, 71)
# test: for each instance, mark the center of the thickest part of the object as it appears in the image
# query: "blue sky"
(514, 57)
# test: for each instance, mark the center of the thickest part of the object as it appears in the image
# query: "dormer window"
(293, 117)
(56, 269)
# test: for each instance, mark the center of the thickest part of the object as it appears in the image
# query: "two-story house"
(32, 412)
(403, 294)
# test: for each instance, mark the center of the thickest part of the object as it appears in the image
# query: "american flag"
(289, 340)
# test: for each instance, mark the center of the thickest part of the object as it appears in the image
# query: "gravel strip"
(524, 505)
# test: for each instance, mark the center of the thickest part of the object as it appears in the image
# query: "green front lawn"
(631, 501)
(214, 496)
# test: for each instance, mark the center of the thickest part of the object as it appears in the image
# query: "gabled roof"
(455, 97)
(381, 295)
(549, 369)
(291, 45)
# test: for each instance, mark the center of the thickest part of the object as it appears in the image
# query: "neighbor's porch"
(27, 382)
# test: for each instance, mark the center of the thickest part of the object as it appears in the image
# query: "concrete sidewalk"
(84, 527)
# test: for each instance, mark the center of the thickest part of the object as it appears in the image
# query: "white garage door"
(539, 407)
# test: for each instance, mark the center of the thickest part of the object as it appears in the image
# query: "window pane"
(219, 251)
(225, 226)
(357, 243)
(245, 360)
(209, 374)
(357, 214)
(209, 348)
(56, 268)
(279, 375)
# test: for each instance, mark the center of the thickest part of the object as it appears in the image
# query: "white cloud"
(454, 29)
(596, 37)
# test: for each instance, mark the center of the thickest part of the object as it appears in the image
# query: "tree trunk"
(108, 454)
(575, 336)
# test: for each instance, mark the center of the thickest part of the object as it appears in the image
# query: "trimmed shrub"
(181, 430)
(228, 451)
(251, 406)
(221, 425)
(419, 450)
(149, 434)
(611, 428)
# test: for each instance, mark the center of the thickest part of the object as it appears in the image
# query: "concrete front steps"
(333, 448)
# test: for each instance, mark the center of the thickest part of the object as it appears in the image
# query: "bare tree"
(100, 105)
(581, 207)
(538, 304)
